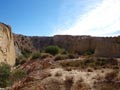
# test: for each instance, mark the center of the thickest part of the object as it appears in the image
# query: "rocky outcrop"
(100, 46)
(107, 49)
(7, 49)
(22, 43)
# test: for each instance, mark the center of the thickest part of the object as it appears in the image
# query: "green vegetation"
(89, 52)
(18, 74)
(26, 53)
(52, 50)
(4, 75)
(71, 56)
(91, 62)
(36, 55)
(45, 55)
(60, 57)
(8, 77)
(20, 60)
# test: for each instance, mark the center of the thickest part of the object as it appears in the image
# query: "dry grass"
(96, 63)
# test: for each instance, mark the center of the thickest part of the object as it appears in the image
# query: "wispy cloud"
(101, 20)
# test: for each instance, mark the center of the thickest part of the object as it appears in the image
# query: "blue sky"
(51, 17)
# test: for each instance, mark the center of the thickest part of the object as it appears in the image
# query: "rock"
(22, 44)
(7, 49)
(106, 49)
(100, 46)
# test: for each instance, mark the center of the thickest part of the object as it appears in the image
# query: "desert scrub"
(80, 85)
(90, 62)
(68, 82)
(18, 74)
(52, 50)
(89, 52)
(76, 63)
(26, 53)
(5, 72)
(36, 55)
(45, 55)
(111, 76)
(20, 60)
(60, 57)
(71, 56)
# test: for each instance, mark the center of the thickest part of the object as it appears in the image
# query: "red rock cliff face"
(101, 46)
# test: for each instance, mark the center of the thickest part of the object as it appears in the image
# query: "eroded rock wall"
(101, 46)
(7, 49)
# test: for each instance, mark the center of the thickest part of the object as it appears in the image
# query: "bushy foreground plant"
(18, 74)
(4, 75)
(52, 50)
(8, 77)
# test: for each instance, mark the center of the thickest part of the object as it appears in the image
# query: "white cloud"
(99, 21)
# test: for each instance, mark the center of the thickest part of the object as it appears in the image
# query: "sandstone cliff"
(7, 49)
(100, 46)
(22, 43)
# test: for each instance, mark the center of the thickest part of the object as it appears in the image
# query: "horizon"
(76, 17)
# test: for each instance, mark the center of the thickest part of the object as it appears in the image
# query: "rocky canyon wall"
(7, 49)
(100, 46)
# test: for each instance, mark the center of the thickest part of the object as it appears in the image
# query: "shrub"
(36, 55)
(26, 53)
(4, 75)
(18, 74)
(63, 51)
(68, 82)
(90, 62)
(60, 57)
(111, 76)
(71, 56)
(20, 60)
(52, 50)
(89, 52)
(45, 55)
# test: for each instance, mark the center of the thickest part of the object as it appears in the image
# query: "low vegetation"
(26, 53)
(36, 55)
(45, 55)
(20, 60)
(89, 52)
(91, 62)
(8, 77)
(4, 75)
(52, 50)
(60, 57)
(18, 74)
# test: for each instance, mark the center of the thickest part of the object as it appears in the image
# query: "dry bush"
(59, 73)
(52, 84)
(90, 70)
(45, 55)
(68, 82)
(107, 85)
(60, 57)
(36, 55)
(111, 76)
(96, 63)
(71, 56)
(80, 86)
